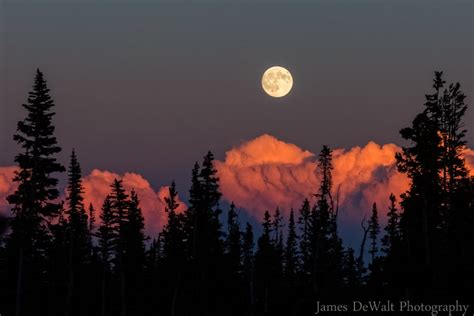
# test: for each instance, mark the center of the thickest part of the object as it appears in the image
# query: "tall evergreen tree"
(351, 272)
(107, 240)
(326, 246)
(204, 230)
(248, 265)
(174, 242)
(278, 237)
(135, 235)
(233, 242)
(374, 229)
(91, 225)
(34, 201)
(120, 206)
(77, 232)
(173, 232)
(392, 230)
(266, 267)
(291, 255)
(436, 208)
(134, 255)
(304, 222)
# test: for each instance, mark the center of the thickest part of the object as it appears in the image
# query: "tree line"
(56, 260)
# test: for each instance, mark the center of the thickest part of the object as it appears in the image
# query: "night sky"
(150, 86)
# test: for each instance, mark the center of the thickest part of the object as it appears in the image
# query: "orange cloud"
(468, 155)
(7, 187)
(97, 186)
(266, 172)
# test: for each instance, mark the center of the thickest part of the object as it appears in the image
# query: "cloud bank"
(266, 172)
(262, 174)
(97, 186)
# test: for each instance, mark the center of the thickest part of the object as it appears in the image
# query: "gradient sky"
(150, 86)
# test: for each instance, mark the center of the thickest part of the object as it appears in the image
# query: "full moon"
(277, 81)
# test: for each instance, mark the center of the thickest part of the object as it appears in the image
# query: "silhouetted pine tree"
(266, 267)
(78, 239)
(326, 246)
(391, 243)
(107, 239)
(278, 239)
(58, 265)
(91, 227)
(135, 236)
(374, 230)
(204, 230)
(437, 209)
(173, 233)
(233, 241)
(154, 254)
(291, 251)
(392, 230)
(174, 245)
(34, 201)
(304, 222)
(134, 255)
(248, 267)
(235, 288)
(120, 205)
(351, 272)
(155, 300)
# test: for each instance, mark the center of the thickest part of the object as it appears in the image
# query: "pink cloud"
(266, 172)
(97, 186)
(7, 186)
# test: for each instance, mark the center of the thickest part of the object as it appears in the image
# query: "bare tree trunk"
(364, 239)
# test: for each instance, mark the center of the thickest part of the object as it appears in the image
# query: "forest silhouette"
(55, 259)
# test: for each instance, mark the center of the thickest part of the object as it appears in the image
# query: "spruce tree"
(77, 230)
(248, 266)
(248, 248)
(374, 229)
(352, 276)
(91, 226)
(392, 230)
(233, 242)
(326, 246)
(278, 237)
(120, 206)
(173, 233)
(134, 235)
(107, 240)
(203, 229)
(134, 255)
(34, 201)
(291, 255)
(437, 209)
(266, 267)
(304, 222)
(173, 244)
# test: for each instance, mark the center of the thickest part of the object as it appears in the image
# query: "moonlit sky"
(150, 86)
